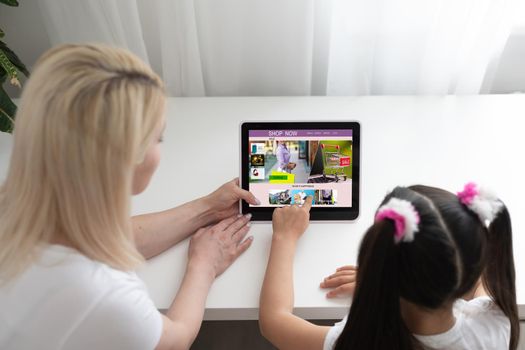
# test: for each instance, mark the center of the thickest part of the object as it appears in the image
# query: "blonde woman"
(86, 138)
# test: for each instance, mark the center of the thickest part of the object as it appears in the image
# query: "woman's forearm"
(184, 317)
(211, 251)
(157, 232)
(187, 310)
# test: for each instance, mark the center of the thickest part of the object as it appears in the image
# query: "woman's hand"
(217, 247)
(342, 282)
(291, 222)
(212, 250)
(224, 201)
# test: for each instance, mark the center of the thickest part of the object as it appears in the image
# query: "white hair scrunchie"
(405, 218)
(481, 201)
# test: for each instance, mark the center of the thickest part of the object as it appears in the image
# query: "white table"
(441, 141)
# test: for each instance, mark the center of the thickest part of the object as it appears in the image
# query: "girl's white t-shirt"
(480, 325)
(67, 301)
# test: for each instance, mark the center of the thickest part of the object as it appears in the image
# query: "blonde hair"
(86, 118)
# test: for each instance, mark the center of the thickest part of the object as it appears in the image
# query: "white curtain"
(416, 46)
(299, 47)
(115, 22)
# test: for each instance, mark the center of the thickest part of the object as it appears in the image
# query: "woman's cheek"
(145, 170)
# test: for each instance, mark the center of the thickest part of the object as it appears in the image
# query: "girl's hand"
(291, 222)
(343, 282)
(216, 247)
(224, 201)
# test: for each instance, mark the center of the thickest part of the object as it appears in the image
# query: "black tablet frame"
(316, 213)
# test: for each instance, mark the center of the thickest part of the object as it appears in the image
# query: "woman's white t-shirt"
(480, 325)
(67, 301)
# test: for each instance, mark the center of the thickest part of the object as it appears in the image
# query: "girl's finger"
(346, 289)
(342, 273)
(308, 203)
(346, 267)
(336, 282)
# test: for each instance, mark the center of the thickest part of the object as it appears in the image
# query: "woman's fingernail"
(248, 216)
(249, 224)
(250, 238)
(257, 201)
(239, 215)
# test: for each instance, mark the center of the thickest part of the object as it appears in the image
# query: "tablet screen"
(287, 165)
(287, 162)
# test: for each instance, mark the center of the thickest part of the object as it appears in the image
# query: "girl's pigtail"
(499, 277)
(375, 321)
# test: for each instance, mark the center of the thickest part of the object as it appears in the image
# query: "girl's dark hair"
(449, 254)
(424, 272)
(485, 252)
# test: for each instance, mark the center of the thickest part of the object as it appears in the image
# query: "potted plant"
(10, 67)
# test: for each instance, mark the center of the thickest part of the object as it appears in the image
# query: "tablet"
(282, 163)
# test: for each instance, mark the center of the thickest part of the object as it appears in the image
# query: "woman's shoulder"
(88, 296)
(59, 265)
(62, 272)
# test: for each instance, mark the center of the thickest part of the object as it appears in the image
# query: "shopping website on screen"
(286, 166)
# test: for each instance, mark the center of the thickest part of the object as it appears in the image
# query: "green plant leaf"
(9, 2)
(14, 58)
(7, 112)
(12, 73)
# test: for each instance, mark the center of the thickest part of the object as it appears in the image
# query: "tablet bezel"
(316, 213)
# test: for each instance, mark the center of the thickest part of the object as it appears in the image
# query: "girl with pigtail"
(436, 271)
